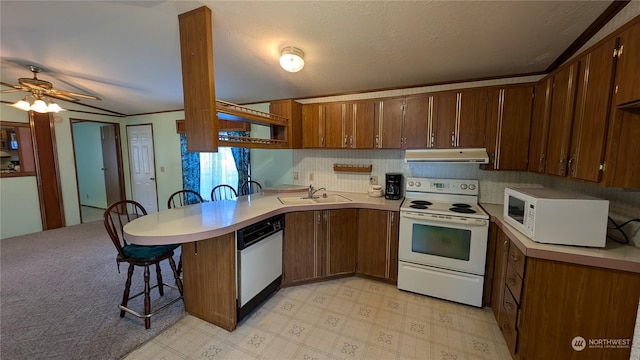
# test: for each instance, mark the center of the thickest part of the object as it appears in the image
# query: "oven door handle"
(444, 219)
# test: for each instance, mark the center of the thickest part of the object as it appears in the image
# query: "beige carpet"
(59, 296)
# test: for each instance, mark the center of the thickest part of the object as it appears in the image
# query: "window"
(201, 172)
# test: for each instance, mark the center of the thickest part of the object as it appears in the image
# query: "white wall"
(87, 138)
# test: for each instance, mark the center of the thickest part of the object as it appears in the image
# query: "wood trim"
(48, 174)
(598, 24)
(196, 50)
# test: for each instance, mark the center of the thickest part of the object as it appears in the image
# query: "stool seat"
(116, 216)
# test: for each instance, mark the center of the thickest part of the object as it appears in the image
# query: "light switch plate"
(373, 180)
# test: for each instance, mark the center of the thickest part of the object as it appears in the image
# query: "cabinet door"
(415, 127)
(592, 113)
(628, 67)
(623, 164)
(560, 120)
(472, 107)
(300, 247)
(512, 152)
(373, 247)
(362, 125)
(312, 125)
(499, 274)
(446, 120)
(540, 125)
(389, 124)
(335, 125)
(341, 234)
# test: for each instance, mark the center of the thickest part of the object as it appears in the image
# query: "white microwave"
(556, 216)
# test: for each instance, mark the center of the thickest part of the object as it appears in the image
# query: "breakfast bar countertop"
(614, 256)
(214, 218)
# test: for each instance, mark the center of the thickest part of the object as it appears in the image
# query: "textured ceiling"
(128, 52)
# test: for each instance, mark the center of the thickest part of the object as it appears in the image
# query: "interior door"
(111, 163)
(142, 166)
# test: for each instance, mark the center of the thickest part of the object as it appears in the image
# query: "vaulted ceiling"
(128, 52)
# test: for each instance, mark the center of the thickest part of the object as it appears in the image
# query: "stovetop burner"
(421, 202)
(461, 205)
(462, 210)
(419, 206)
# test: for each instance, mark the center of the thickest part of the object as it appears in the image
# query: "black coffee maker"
(393, 186)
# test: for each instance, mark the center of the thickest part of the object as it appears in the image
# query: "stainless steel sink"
(299, 200)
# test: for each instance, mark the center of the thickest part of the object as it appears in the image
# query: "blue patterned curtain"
(190, 166)
(241, 158)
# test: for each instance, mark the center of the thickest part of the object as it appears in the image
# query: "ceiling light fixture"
(292, 59)
(38, 105)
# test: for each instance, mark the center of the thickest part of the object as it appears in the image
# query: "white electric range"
(443, 240)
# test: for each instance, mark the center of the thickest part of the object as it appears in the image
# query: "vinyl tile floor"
(350, 318)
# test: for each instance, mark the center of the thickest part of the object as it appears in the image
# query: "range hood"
(450, 156)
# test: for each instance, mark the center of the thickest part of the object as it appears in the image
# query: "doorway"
(99, 173)
(142, 166)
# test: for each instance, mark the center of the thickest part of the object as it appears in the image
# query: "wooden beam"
(196, 51)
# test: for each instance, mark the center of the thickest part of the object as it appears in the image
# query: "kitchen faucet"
(311, 191)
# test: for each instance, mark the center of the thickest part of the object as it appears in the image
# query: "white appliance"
(557, 216)
(443, 240)
(259, 263)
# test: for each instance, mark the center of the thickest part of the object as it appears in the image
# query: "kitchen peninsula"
(207, 234)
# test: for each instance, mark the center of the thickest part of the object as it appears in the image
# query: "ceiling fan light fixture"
(53, 107)
(22, 104)
(291, 59)
(39, 106)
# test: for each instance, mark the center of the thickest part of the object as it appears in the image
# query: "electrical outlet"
(161, 168)
(373, 180)
(295, 175)
(310, 176)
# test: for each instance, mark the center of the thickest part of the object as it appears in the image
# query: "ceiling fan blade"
(72, 94)
(15, 87)
(10, 91)
(61, 97)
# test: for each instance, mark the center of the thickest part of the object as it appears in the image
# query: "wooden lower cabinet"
(209, 272)
(318, 244)
(542, 305)
(378, 244)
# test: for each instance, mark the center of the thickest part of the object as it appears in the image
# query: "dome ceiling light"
(292, 59)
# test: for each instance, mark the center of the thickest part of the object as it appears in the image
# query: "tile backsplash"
(318, 166)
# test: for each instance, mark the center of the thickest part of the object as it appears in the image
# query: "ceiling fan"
(39, 88)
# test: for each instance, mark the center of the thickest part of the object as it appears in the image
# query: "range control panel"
(444, 186)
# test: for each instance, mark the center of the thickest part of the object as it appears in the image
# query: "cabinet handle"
(512, 281)
(377, 141)
(351, 141)
(570, 166)
(344, 142)
(514, 257)
(453, 138)
(152, 179)
(433, 140)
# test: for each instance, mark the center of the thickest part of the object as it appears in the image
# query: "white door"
(142, 166)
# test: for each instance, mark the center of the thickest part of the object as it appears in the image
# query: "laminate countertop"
(214, 218)
(613, 256)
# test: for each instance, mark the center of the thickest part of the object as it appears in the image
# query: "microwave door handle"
(442, 219)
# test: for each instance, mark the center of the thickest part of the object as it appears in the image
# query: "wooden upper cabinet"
(461, 119)
(508, 127)
(361, 134)
(334, 125)
(291, 110)
(418, 122)
(313, 123)
(388, 124)
(561, 119)
(592, 113)
(350, 125)
(540, 125)
(628, 68)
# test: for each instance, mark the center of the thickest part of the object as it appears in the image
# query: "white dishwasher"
(259, 263)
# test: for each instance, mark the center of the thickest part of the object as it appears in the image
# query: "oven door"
(447, 242)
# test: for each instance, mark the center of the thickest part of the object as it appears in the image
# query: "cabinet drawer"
(508, 323)
(516, 259)
(514, 282)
